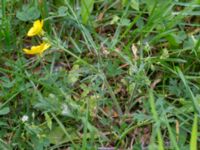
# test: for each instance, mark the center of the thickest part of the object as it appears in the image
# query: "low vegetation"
(99, 74)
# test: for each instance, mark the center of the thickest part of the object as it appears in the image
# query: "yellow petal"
(39, 49)
(26, 50)
(36, 29)
(46, 45)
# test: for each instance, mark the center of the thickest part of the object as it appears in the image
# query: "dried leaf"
(134, 50)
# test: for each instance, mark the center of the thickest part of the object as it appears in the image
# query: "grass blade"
(63, 128)
(193, 139)
(194, 100)
(86, 9)
(155, 116)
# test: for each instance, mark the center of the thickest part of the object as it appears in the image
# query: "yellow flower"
(36, 29)
(39, 49)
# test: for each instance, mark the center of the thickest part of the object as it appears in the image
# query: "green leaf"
(156, 118)
(73, 75)
(28, 13)
(135, 4)
(189, 91)
(62, 10)
(112, 68)
(49, 121)
(115, 19)
(124, 2)
(193, 139)
(171, 135)
(4, 145)
(86, 9)
(3, 123)
(56, 136)
(182, 137)
(1, 16)
(189, 43)
(4, 111)
(176, 39)
(151, 4)
(125, 22)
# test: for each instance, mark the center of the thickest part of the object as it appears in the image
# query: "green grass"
(119, 74)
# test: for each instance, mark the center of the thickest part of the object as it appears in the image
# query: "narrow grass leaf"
(86, 9)
(193, 139)
(155, 116)
(194, 100)
(172, 137)
(63, 128)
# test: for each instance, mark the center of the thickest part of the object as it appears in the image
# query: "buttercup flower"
(36, 29)
(39, 49)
